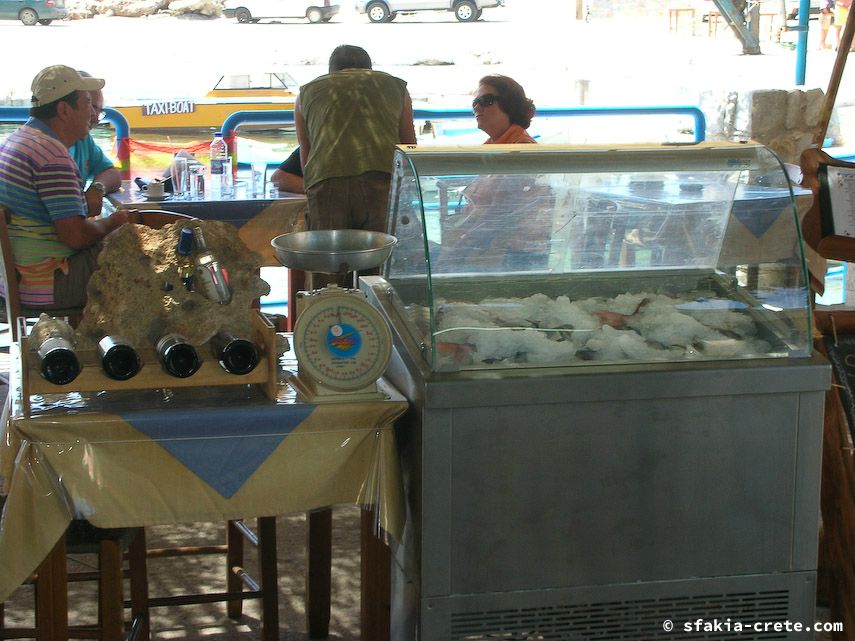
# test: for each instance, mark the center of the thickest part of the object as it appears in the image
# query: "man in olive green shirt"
(348, 123)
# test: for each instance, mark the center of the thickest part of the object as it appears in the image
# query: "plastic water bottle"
(221, 170)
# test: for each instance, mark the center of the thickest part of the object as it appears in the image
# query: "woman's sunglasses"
(486, 100)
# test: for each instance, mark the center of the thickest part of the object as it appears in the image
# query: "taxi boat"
(234, 92)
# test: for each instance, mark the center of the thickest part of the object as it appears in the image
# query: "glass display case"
(517, 256)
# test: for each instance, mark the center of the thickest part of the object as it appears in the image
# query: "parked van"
(386, 10)
(254, 10)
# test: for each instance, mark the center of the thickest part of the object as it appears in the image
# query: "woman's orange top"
(514, 134)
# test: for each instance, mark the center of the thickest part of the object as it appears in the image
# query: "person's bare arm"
(302, 134)
(287, 182)
(79, 233)
(110, 178)
(406, 130)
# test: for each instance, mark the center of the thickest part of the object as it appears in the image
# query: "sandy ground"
(560, 61)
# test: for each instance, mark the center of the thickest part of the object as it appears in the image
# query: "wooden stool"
(51, 581)
(237, 532)
(674, 14)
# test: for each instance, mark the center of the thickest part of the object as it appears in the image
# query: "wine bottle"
(118, 358)
(236, 355)
(178, 356)
(58, 362)
(185, 257)
(209, 278)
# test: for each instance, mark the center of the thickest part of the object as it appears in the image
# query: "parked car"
(387, 10)
(254, 10)
(32, 12)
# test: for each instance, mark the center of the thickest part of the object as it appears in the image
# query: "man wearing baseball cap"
(54, 243)
(97, 170)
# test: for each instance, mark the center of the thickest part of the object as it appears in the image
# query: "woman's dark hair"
(513, 100)
(48, 111)
(349, 57)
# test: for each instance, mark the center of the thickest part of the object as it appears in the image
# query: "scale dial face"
(342, 342)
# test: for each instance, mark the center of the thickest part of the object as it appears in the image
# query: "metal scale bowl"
(342, 343)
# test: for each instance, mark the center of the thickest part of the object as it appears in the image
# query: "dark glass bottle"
(236, 355)
(53, 341)
(58, 363)
(118, 358)
(178, 356)
(185, 258)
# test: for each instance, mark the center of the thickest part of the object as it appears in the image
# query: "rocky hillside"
(80, 9)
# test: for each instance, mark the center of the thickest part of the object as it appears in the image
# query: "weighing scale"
(342, 343)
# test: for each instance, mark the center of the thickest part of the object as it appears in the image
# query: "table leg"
(318, 575)
(110, 608)
(376, 567)
(269, 578)
(138, 570)
(52, 595)
(234, 558)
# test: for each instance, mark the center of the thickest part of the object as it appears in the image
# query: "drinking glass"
(180, 177)
(197, 181)
(259, 168)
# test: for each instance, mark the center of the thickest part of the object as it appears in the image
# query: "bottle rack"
(152, 375)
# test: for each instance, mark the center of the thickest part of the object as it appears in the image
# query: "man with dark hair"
(348, 123)
(100, 176)
(54, 243)
(289, 175)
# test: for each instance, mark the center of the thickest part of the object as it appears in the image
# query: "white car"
(254, 10)
(386, 10)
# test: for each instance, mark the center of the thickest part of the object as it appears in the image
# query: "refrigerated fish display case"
(616, 410)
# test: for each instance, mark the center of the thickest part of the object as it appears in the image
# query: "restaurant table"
(166, 456)
(258, 219)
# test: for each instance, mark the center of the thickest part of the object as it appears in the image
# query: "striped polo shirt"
(39, 184)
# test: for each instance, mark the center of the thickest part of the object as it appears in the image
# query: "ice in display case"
(532, 256)
(616, 412)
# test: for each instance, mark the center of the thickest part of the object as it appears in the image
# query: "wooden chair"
(156, 218)
(10, 279)
(51, 601)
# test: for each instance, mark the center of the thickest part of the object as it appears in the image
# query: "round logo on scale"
(343, 340)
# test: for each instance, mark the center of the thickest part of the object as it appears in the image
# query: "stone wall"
(79, 9)
(784, 120)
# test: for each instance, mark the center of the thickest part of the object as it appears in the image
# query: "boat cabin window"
(278, 80)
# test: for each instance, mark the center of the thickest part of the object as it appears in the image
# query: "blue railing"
(230, 125)
(119, 122)
(238, 118)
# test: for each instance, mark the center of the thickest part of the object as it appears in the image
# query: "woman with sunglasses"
(502, 110)
(501, 222)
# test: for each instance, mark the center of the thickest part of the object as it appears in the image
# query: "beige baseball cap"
(52, 83)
